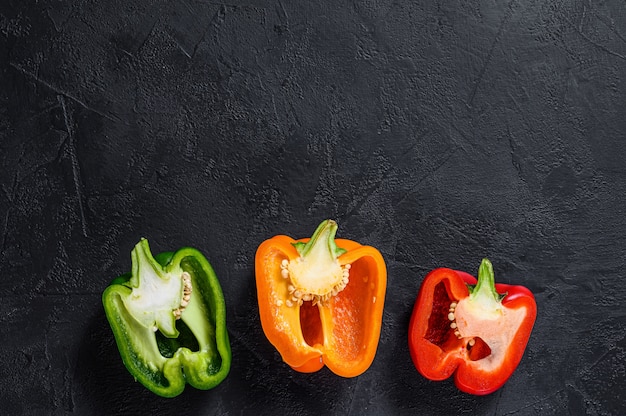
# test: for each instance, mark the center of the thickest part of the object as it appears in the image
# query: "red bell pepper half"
(476, 329)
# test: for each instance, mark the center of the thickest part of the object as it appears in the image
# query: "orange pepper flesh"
(341, 332)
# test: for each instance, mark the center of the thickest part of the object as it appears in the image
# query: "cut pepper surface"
(321, 300)
(476, 329)
(169, 321)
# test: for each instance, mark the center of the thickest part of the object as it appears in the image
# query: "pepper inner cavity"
(186, 339)
(478, 349)
(310, 282)
(438, 322)
(311, 324)
(168, 346)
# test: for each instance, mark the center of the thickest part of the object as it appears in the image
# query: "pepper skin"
(321, 300)
(169, 321)
(477, 330)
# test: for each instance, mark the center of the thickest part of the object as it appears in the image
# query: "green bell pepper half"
(168, 317)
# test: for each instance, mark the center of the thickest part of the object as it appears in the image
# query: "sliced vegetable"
(169, 321)
(477, 330)
(321, 300)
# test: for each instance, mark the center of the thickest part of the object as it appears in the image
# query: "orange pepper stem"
(317, 271)
(323, 240)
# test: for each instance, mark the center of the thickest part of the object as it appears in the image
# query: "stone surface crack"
(487, 61)
(352, 396)
(459, 230)
(283, 13)
(594, 43)
(543, 399)
(379, 183)
(516, 165)
(219, 15)
(5, 230)
(61, 92)
(71, 145)
(145, 39)
(426, 176)
(278, 123)
(611, 27)
(495, 411)
(10, 195)
(235, 335)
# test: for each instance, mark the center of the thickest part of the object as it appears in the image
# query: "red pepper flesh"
(477, 330)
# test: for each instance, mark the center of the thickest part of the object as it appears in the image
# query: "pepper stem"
(316, 275)
(322, 242)
(485, 289)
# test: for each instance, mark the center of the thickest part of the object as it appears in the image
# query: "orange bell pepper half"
(321, 300)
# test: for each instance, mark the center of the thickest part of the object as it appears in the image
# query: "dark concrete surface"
(439, 132)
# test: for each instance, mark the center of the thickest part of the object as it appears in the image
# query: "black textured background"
(437, 131)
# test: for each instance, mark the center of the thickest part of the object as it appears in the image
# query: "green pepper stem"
(485, 288)
(142, 260)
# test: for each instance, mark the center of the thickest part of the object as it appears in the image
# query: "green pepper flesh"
(194, 349)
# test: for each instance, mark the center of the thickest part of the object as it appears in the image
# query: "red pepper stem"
(485, 288)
